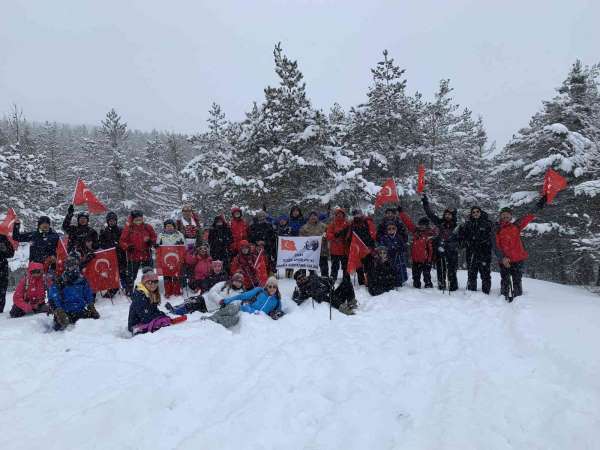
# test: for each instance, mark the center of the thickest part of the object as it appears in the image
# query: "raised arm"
(243, 296)
(429, 213)
(66, 225)
(407, 221)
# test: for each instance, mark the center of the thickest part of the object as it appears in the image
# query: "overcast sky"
(162, 63)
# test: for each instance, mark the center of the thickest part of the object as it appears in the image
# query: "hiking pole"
(510, 293)
(330, 298)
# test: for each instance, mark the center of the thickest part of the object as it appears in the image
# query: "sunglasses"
(152, 281)
(271, 286)
(36, 272)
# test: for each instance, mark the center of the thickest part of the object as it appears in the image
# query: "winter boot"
(92, 312)
(353, 303)
(344, 308)
(61, 320)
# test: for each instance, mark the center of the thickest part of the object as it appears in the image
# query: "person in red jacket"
(245, 263)
(30, 295)
(421, 252)
(199, 258)
(137, 240)
(510, 250)
(338, 233)
(239, 229)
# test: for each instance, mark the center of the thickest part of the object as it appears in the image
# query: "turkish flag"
(288, 245)
(387, 194)
(358, 250)
(83, 196)
(553, 184)
(61, 254)
(102, 272)
(261, 268)
(169, 260)
(421, 178)
(6, 226)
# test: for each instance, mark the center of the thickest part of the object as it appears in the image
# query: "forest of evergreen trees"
(288, 152)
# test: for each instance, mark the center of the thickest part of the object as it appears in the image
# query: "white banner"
(298, 252)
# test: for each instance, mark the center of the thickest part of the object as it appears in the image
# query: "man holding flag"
(80, 232)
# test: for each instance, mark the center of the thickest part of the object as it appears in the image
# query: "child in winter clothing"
(201, 261)
(259, 299)
(382, 277)
(338, 233)
(70, 297)
(137, 239)
(144, 315)
(396, 251)
(30, 295)
(422, 249)
(245, 262)
(6, 251)
(314, 227)
(170, 236)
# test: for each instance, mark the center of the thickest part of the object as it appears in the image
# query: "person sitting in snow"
(395, 244)
(258, 300)
(314, 227)
(6, 251)
(382, 277)
(321, 289)
(144, 315)
(43, 242)
(30, 294)
(70, 297)
(245, 262)
(217, 275)
(170, 236)
(421, 253)
(199, 258)
(78, 233)
(510, 251)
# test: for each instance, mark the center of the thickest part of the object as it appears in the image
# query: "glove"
(542, 201)
(441, 249)
(424, 199)
(2, 247)
(71, 210)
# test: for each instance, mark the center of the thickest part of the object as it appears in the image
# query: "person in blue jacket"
(71, 297)
(259, 299)
(396, 250)
(296, 220)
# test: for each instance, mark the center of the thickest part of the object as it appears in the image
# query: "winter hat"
(149, 274)
(299, 273)
(111, 216)
(43, 219)
(72, 262)
(261, 215)
(136, 213)
(244, 243)
(506, 209)
(423, 221)
(83, 214)
(283, 217)
(235, 209)
(392, 210)
(314, 213)
(474, 207)
(238, 276)
(272, 281)
(217, 265)
(169, 222)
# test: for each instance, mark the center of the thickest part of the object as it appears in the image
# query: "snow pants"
(446, 266)
(481, 267)
(132, 270)
(513, 273)
(419, 269)
(336, 261)
(3, 286)
(323, 266)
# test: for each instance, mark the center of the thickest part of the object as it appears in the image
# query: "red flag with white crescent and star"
(6, 226)
(387, 194)
(102, 272)
(358, 250)
(83, 196)
(61, 254)
(169, 260)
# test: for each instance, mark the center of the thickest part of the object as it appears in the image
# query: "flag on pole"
(61, 254)
(6, 227)
(358, 250)
(169, 260)
(387, 194)
(261, 268)
(421, 179)
(83, 196)
(102, 272)
(553, 184)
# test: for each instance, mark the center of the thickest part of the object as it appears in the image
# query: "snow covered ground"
(412, 370)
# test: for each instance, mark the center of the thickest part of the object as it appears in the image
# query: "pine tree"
(114, 132)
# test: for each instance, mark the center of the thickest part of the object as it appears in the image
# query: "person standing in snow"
(510, 251)
(109, 238)
(421, 253)
(6, 251)
(445, 246)
(391, 216)
(364, 228)
(220, 240)
(321, 289)
(297, 220)
(395, 244)
(43, 242)
(239, 229)
(137, 240)
(338, 237)
(382, 277)
(476, 235)
(144, 315)
(170, 236)
(78, 233)
(314, 227)
(262, 231)
(30, 294)
(189, 225)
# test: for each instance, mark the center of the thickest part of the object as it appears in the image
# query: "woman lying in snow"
(257, 300)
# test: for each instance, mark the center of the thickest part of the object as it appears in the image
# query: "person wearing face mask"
(144, 315)
(78, 233)
(245, 262)
(70, 297)
(220, 240)
(43, 242)
(476, 236)
(137, 240)
(30, 294)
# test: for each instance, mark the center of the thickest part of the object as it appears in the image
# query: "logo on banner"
(288, 245)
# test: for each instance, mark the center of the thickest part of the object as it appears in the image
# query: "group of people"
(223, 262)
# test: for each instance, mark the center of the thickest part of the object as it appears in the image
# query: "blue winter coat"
(141, 310)
(74, 298)
(396, 249)
(42, 244)
(262, 301)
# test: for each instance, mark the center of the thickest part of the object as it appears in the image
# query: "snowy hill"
(412, 370)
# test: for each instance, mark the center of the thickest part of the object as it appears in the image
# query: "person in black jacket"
(78, 233)
(321, 290)
(382, 277)
(43, 241)
(365, 229)
(476, 236)
(144, 314)
(220, 239)
(263, 231)
(109, 238)
(445, 246)
(6, 251)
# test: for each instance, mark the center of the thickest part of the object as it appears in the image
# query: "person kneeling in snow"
(321, 290)
(30, 295)
(382, 277)
(70, 296)
(144, 314)
(257, 300)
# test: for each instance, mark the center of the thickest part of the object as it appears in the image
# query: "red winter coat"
(202, 265)
(246, 264)
(508, 239)
(141, 237)
(239, 231)
(338, 246)
(191, 231)
(422, 244)
(31, 291)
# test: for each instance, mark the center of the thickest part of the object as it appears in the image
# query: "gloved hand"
(542, 201)
(341, 233)
(71, 210)
(441, 249)
(425, 199)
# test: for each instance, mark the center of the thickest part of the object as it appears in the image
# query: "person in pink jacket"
(30, 295)
(201, 261)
